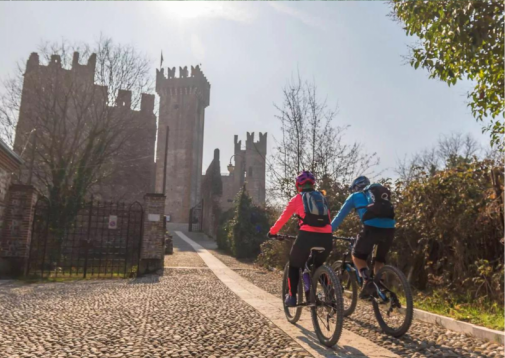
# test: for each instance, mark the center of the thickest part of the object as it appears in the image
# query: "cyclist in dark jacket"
(375, 230)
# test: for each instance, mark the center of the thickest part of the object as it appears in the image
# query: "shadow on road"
(310, 339)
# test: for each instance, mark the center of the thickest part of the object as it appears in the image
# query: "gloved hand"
(270, 235)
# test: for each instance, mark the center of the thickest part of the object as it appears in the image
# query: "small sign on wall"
(153, 217)
(112, 221)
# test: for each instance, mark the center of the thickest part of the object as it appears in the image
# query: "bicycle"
(321, 291)
(391, 299)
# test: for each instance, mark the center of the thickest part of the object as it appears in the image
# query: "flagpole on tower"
(161, 60)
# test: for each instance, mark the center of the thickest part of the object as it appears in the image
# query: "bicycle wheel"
(394, 312)
(327, 306)
(292, 313)
(349, 287)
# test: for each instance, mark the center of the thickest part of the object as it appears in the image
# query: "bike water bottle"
(306, 281)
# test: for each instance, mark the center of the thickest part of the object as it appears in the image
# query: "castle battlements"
(85, 73)
(260, 145)
(193, 82)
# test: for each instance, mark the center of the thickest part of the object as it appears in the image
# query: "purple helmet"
(303, 178)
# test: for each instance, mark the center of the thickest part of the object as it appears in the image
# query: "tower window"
(250, 172)
(176, 106)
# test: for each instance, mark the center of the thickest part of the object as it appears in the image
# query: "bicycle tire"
(337, 267)
(338, 305)
(291, 318)
(409, 309)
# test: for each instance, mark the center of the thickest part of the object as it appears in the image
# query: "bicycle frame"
(308, 268)
(349, 267)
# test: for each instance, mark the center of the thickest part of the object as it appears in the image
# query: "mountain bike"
(392, 299)
(321, 291)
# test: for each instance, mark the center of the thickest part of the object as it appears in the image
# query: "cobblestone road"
(183, 313)
(423, 339)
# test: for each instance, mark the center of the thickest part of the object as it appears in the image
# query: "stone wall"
(128, 171)
(17, 230)
(10, 163)
(153, 241)
(212, 190)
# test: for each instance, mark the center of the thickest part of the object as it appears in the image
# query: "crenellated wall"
(75, 94)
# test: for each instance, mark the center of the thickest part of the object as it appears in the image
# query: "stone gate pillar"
(16, 229)
(153, 240)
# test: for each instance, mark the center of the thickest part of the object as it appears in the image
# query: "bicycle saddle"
(317, 249)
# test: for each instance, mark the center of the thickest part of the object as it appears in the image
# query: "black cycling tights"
(300, 253)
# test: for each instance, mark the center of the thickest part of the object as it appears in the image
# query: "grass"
(70, 278)
(464, 308)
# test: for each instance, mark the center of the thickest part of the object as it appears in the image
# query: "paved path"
(349, 345)
(423, 339)
(182, 313)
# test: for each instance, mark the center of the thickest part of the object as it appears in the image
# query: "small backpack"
(379, 203)
(316, 209)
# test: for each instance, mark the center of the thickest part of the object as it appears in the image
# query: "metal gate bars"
(196, 217)
(103, 240)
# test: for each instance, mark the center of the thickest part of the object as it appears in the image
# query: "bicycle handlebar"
(283, 237)
(290, 237)
(348, 239)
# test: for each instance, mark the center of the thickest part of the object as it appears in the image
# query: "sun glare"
(189, 9)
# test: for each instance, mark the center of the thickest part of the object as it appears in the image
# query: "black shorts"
(304, 242)
(368, 237)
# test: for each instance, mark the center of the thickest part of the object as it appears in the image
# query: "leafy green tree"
(243, 228)
(461, 39)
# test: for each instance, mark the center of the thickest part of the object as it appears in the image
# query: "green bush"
(243, 228)
(223, 230)
(274, 254)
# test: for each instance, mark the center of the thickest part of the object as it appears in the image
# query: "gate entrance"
(104, 240)
(196, 217)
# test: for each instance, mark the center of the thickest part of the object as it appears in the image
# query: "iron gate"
(104, 240)
(196, 217)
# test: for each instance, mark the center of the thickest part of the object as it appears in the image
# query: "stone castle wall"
(128, 174)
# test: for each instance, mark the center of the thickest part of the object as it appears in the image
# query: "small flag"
(161, 61)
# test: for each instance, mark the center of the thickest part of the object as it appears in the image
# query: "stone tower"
(250, 168)
(183, 101)
(255, 154)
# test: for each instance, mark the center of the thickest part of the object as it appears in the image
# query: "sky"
(250, 50)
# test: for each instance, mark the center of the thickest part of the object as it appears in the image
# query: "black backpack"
(316, 209)
(379, 203)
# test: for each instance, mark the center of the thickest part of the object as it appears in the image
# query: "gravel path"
(182, 313)
(423, 339)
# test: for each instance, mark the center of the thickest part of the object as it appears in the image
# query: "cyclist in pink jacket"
(315, 229)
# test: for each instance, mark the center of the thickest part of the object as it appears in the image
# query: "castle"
(183, 101)
(137, 168)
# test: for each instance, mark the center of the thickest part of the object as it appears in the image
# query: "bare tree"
(450, 151)
(73, 124)
(311, 141)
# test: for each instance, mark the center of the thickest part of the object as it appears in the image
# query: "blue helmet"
(359, 184)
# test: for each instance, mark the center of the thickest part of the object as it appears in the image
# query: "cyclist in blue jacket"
(378, 230)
